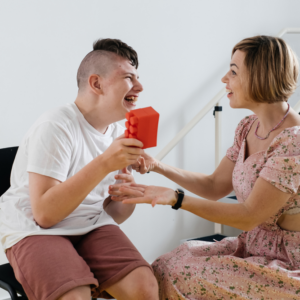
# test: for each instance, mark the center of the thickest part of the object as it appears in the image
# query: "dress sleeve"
(282, 168)
(240, 133)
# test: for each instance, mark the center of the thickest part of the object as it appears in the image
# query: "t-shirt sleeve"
(233, 152)
(49, 151)
(282, 168)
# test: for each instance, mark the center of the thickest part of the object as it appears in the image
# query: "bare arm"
(264, 201)
(212, 187)
(119, 211)
(52, 200)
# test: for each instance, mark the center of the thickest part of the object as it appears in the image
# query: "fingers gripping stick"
(142, 124)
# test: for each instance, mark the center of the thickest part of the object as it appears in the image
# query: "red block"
(142, 124)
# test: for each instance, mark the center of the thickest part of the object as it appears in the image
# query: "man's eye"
(128, 77)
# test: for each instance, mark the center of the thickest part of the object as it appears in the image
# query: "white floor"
(4, 295)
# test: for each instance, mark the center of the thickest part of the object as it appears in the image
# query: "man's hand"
(122, 153)
(145, 163)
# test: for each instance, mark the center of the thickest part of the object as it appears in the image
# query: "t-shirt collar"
(88, 126)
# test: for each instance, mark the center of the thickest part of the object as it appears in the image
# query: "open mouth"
(131, 99)
(229, 91)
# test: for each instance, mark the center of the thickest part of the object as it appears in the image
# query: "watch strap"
(180, 194)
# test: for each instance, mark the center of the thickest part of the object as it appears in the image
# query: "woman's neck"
(269, 115)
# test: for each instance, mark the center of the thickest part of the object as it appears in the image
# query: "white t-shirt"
(58, 145)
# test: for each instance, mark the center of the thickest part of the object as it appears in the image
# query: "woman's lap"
(212, 271)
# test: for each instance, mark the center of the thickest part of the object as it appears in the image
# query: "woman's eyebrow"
(231, 65)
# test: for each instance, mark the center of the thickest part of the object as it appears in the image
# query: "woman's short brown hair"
(272, 68)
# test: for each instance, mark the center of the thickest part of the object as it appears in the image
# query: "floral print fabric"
(263, 263)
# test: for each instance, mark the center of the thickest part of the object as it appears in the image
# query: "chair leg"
(10, 290)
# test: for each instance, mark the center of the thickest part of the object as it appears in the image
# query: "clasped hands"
(131, 193)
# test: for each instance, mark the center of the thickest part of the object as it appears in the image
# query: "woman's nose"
(224, 79)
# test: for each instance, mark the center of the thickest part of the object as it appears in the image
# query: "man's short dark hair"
(119, 48)
(99, 60)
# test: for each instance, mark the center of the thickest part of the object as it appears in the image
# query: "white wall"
(184, 49)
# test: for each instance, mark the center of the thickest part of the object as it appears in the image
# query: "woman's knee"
(159, 266)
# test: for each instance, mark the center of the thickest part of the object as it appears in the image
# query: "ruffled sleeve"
(240, 133)
(282, 168)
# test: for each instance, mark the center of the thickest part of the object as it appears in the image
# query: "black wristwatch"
(180, 194)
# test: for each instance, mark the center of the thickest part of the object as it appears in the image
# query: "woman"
(263, 168)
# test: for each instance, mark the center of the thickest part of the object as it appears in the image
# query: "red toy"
(142, 124)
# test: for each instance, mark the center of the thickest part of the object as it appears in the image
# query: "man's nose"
(139, 87)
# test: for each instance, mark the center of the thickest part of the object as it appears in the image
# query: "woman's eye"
(232, 72)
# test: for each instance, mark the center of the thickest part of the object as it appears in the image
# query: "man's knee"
(146, 285)
(140, 284)
(78, 293)
(147, 290)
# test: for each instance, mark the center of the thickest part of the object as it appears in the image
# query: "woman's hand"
(145, 163)
(138, 193)
(125, 176)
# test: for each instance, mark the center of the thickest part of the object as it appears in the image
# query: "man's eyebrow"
(231, 65)
(126, 73)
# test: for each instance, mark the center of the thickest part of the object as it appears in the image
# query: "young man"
(58, 223)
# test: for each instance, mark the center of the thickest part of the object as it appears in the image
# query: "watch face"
(179, 191)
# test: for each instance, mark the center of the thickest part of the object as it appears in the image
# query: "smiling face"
(236, 82)
(120, 88)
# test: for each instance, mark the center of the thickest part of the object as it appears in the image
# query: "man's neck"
(94, 113)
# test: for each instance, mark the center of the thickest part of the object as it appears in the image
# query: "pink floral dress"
(263, 263)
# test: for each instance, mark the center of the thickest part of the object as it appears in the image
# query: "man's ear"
(95, 84)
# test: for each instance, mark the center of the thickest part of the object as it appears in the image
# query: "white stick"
(297, 107)
(218, 122)
(191, 124)
(218, 227)
(288, 30)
